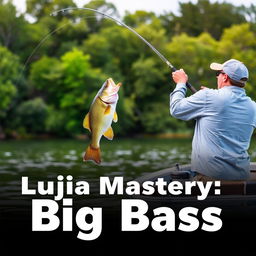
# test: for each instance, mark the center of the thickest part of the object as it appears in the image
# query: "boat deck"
(182, 173)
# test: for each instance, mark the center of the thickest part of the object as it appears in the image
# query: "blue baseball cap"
(235, 69)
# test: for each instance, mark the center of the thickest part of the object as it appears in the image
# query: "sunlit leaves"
(9, 70)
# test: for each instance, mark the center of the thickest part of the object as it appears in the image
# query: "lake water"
(45, 160)
(130, 158)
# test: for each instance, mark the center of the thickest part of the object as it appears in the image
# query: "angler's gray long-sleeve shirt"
(225, 120)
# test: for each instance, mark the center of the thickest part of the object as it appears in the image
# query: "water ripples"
(45, 160)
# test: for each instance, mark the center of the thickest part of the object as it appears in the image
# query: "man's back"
(222, 135)
(225, 120)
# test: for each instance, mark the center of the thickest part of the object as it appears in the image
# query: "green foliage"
(31, 116)
(138, 18)
(194, 55)
(239, 42)
(80, 84)
(55, 122)
(9, 69)
(96, 22)
(237, 39)
(98, 47)
(147, 76)
(41, 8)
(7, 93)
(75, 65)
(203, 16)
(9, 65)
(75, 52)
(45, 76)
(45, 71)
(12, 26)
(71, 84)
(156, 121)
(249, 12)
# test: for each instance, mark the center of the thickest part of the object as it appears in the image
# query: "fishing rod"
(133, 31)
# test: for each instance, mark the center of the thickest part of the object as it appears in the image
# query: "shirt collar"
(233, 87)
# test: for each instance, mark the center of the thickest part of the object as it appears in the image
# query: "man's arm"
(186, 108)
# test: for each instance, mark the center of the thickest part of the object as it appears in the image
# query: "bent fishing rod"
(133, 31)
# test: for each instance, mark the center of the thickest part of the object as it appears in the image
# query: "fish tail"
(92, 154)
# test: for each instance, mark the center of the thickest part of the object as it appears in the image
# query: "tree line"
(51, 68)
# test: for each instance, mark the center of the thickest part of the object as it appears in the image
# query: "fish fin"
(107, 111)
(109, 134)
(92, 154)
(86, 123)
(115, 119)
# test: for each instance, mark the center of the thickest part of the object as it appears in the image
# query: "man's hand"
(179, 76)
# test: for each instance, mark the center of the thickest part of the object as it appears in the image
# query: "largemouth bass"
(99, 119)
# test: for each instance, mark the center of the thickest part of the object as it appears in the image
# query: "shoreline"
(178, 135)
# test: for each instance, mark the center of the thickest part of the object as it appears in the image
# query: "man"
(225, 120)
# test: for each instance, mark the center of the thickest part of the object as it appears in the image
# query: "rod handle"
(189, 85)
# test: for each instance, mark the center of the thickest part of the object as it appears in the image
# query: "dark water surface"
(46, 159)
(130, 158)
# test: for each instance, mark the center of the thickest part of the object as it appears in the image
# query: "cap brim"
(216, 66)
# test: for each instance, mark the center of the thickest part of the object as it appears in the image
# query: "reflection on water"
(44, 160)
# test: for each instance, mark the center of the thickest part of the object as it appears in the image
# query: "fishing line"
(44, 39)
(40, 43)
(129, 28)
(36, 48)
(119, 23)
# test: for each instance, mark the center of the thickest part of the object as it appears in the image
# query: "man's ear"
(225, 78)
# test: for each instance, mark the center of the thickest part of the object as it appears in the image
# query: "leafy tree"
(194, 55)
(112, 50)
(153, 33)
(98, 46)
(7, 93)
(81, 83)
(56, 121)
(249, 12)
(96, 21)
(12, 26)
(75, 52)
(238, 42)
(138, 18)
(147, 76)
(59, 33)
(9, 69)
(156, 119)
(68, 85)
(31, 116)
(203, 16)
(41, 8)
(237, 39)
(45, 77)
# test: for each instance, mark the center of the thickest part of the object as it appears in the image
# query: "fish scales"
(99, 119)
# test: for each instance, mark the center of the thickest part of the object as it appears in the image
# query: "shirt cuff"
(181, 86)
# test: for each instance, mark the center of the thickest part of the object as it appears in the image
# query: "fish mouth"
(110, 80)
(109, 94)
(112, 83)
(105, 101)
(111, 99)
